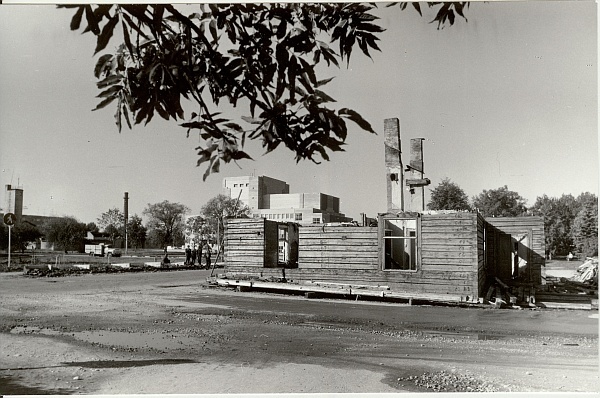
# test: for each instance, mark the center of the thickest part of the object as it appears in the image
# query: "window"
(400, 244)
(316, 221)
(298, 217)
(235, 185)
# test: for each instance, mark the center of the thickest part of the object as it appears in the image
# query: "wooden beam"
(417, 182)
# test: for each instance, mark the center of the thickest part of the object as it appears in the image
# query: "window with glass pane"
(400, 242)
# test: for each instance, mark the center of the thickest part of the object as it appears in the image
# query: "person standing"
(194, 253)
(200, 254)
(188, 255)
(207, 257)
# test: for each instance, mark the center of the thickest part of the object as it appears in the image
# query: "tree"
(65, 233)
(92, 227)
(585, 228)
(263, 57)
(112, 223)
(558, 216)
(136, 232)
(195, 228)
(165, 222)
(22, 234)
(217, 209)
(26, 233)
(500, 203)
(448, 196)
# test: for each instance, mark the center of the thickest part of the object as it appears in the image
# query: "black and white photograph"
(320, 199)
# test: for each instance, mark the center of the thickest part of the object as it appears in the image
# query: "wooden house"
(447, 256)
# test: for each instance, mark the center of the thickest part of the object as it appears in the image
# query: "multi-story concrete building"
(270, 198)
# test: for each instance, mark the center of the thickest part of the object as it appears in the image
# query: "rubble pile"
(587, 272)
(450, 382)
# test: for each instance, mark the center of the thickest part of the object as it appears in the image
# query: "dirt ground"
(169, 332)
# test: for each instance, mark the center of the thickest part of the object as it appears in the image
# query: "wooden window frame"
(416, 238)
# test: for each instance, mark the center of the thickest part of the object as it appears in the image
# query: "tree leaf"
(113, 90)
(356, 118)
(127, 38)
(104, 103)
(91, 20)
(101, 63)
(76, 20)
(238, 155)
(323, 82)
(323, 96)
(251, 120)
(417, 7)
(106, 34)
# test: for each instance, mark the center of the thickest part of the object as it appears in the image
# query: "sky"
(509, 97)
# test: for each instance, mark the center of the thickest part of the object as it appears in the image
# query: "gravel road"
(169, 332)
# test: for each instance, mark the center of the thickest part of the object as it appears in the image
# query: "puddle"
(464, 336)
(158, 341)
(128, 364)
(10, 387)
(34, 330)
(131, 340)
(488, 337)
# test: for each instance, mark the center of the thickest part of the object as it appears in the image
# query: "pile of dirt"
(452, 382)
(587, 272)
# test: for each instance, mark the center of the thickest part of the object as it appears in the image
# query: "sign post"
(9, 219)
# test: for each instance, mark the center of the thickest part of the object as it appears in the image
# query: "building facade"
(13, 201)
(270, 198)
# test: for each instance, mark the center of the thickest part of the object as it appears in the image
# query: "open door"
(521, 252)
(504, 257)
(283, 251)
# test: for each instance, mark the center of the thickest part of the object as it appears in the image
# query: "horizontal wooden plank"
(244, 255)
(449, 231)
(338, 262)
(449, 234)
(446, 267)
(425, 254)
(450, 215)
(447, 222)
(441, 246)
(467, 262)
(337, 265)
(321, 235)
(433, 240)
(244, 246)
(335, 249)
(336, 241)
(321, 227)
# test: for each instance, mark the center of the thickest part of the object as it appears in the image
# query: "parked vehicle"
(111, 251)
(175, 249)
(101, 250)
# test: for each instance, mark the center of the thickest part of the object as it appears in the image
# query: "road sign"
(10, 219)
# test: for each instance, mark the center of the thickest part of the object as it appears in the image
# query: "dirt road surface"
(169, 332)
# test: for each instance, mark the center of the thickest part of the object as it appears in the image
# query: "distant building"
(270, 198)
(14, 201)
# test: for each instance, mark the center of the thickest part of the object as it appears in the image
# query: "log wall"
(449, 254)
(450, 249)
(350, 248)
(244, 242)
(515, 226)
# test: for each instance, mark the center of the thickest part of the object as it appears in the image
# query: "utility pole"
(126, 213)
(9, 220)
